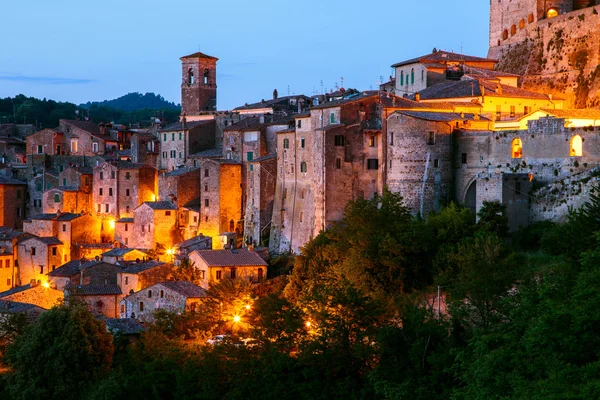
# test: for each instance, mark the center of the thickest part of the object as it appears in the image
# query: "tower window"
(190, 77)
(430, 138)
(372, 141)
(517, 148)
(206, 76)
(286, 143)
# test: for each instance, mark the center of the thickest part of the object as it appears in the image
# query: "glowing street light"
(46, 284)
(236, 318)
(308, 324)
(247, 306)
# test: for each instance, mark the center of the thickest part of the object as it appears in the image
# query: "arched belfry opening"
(190, 77)
(206, 74)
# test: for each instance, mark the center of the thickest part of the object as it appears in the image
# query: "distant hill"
(135, 101)
(46, 113)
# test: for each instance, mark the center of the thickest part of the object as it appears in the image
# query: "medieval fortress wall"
(555, 45)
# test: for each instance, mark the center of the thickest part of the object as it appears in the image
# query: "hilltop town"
(262, 179)
(434, 238)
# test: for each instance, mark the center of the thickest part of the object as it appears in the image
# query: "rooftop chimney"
(275, 94)
(417, 97)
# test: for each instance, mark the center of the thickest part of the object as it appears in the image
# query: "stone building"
(183, 249)
(179, 186)
(172, 296)
(100, 299)
(179, 140)
(67, 199)
(120, 187)
(42, 180)
(70, 229)
(215, 265)
(37, 256)
(80, 178)
(123, 230)
(420, 156)
(38, 295)
(333, 155)
(260, 196)
(220, 197)
(145, 148)
(120, 255)
(155, 223)
(13, 197)
(198, 84)
(417, 74)
(8, 270)
(137, 275)
(83, 272)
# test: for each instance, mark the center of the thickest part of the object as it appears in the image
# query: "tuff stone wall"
(420, 169)
(557, 55)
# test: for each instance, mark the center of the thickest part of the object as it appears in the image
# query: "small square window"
(463, 158)
(436, 163)
(218, 275)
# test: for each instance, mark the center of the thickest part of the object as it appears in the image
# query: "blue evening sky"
(96, 50)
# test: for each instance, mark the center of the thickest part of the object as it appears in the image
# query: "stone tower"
(198, 83)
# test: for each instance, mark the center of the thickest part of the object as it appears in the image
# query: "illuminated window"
(576, 148)
(522, 24)
(218, 275)
(513, 30)
(552, 13)
(530, 18)
(372, 141)
(517, 148)
(505, 35)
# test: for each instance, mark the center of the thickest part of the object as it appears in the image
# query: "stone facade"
(154, 223)
(215, 265)
(166, 296)
(260, 189)
(13, 194)
(67, 199)
(119, 187)
(180, 140)
(37, 256)
(198, 84)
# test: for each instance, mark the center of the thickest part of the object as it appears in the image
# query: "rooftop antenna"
(288, 90)
(322, 87)
(342, 81)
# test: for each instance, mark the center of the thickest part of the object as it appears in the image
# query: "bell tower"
(198, 83)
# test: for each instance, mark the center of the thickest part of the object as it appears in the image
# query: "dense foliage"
(134, 101)
(358, 318)
(46, 113)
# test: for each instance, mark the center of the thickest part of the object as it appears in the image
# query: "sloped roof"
(94, 290)
(117, 252)
(472, 88)
(230, 258)
(160, 205)
(272, 102)
(187, 289)
(133, 267)
(71, 268)
(443, 56)
(15, 290)
(15, 307)
(45, 240)
(264, 158)
(209, 153)
(584, 113)
(183, 170)
(178, 126)
(4, 180)
(346, 100)
(440, 116)
(199, 55)
(89, 127)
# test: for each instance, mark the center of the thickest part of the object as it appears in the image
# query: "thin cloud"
(48, 80)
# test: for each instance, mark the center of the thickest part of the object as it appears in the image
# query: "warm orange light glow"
(170, 252)
(517, 148)
(236, 318)
(247, 306)
(152, 197)
(46, 284)
(308, 324)
(552, 13)
(576, 146)
(111, 224)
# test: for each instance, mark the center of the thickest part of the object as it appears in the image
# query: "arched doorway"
(576, 146)
(471, 197)
(517, 148)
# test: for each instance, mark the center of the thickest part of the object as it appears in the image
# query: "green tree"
(492, 218)
(187, 271)
(60, 356)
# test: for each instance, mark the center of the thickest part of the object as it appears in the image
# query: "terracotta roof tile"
(230, 258)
